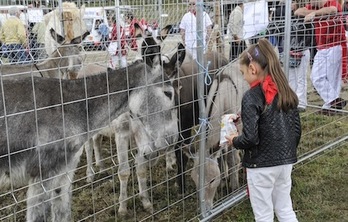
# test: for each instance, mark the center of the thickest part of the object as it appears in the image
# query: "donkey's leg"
(61, 198)
(37, 206)
(97, 146)
(60, 187)
(224, 161)
(122, 143)
(89, 156)
(170, 159)
(234, 163)
(182, 160)
(141, 168)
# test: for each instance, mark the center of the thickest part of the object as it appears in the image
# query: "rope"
(202, 121)
(206, 73)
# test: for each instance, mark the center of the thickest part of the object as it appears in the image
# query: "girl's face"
(249, 72)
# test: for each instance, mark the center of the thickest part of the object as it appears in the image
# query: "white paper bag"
(227, 127)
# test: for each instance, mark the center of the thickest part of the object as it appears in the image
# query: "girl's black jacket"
(270, 137)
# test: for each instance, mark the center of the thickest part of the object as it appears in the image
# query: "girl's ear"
(253, 68)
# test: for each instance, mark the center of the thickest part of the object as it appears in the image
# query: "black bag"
(301, 34)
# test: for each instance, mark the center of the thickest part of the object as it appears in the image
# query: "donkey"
(64, 62)
(92, 69)
(185, 80)
(225, 97)
(188, 104)
(45, 121)
(149, 49)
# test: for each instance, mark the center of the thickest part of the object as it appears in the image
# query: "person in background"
(330, 41)
(297, 73)
(298, 77)
(188, 29)
(118, 53)
(13, 38)
(271, 133)
(132, 37)
(104, 33)
(23, 16)
(39, 49)
(235, 27)
(344, 5)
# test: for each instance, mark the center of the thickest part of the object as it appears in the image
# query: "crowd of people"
(327, 54)
(21, 40)
(118, 46)
(13, 38)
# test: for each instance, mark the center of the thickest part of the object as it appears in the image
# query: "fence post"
(200, 93)
(287, 31)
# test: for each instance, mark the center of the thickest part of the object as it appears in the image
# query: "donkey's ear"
(60, 39)
(178, 58)
(79, 39)
(164, 32)
(181, 53)
(138, 30)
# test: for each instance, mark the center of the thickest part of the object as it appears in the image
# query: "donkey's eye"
(212, 181)
(168, 94)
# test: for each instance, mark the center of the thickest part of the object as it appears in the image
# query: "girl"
(271, 133)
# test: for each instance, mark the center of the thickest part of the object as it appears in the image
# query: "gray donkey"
(45, 121)
(65, 62)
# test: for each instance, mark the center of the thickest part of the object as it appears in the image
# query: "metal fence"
(98, 199)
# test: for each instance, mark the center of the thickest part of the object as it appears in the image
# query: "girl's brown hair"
(264, 54)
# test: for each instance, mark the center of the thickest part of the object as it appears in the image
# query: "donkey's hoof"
(170, 168)
(122, 212)
(90, 178)
(148, 207)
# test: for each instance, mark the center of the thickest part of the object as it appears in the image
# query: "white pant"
(115, 59)
(327, 72)
(298, 79)
(269, 191)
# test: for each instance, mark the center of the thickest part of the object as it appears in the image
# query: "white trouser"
(115, 59)
(327, 72)
(298, 79)
(269, 191)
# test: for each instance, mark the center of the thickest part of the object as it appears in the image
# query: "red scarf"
(269, 88)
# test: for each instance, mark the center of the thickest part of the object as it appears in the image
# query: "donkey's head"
(152, 107)
(67, 56)
(212, 173)
(150, 44)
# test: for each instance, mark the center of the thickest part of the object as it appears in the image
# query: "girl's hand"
(230, 138)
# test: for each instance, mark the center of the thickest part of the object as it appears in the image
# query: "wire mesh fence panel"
(88, 143)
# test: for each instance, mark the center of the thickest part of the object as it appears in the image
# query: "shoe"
(301, 109)
(338, 103)
(328, 112)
